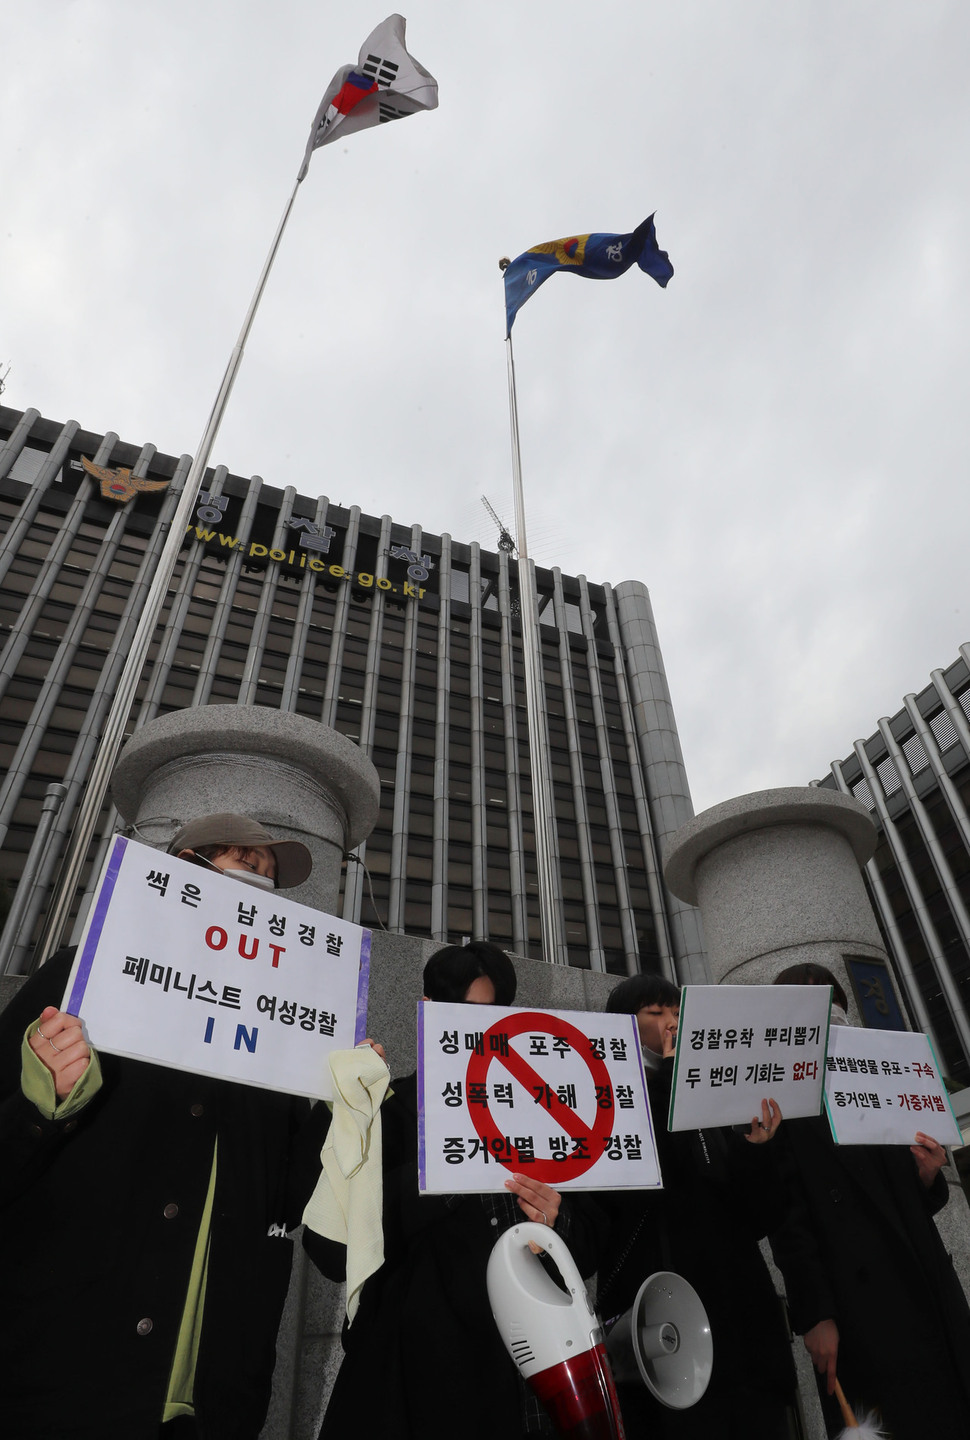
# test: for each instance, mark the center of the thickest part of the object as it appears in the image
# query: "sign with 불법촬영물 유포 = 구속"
(186, 967)
(881, 1086)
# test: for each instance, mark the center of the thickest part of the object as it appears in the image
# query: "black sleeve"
(309, 1128)
(329, 1256)
(760, 1183)
(937, 1196)
(584, 1223)
(797, 1252)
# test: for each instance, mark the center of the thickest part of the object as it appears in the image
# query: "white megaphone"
(664, 1339)
(553, 1336)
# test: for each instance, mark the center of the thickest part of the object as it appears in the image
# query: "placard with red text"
(881, 1086)
(740, 1044)
(192, 969)
(556, 1094)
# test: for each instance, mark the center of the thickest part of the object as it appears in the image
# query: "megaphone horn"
(664, 1339)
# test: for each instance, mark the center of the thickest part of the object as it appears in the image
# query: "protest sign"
(192, 969)
(740, 1044)
(558, 1095)
(881, 1086)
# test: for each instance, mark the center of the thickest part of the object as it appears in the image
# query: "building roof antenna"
(505, 541)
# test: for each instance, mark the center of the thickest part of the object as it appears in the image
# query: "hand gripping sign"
(189, 968)
(557, 1095)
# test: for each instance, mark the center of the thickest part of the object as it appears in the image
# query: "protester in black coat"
(869, 1282)
(720, 1195)
(101, 1208)
(423, 1358)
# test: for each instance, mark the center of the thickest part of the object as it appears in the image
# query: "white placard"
(881, 1086)
(558, 1095)
(195, 970)
(740, 1044)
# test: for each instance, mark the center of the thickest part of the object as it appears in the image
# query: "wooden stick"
(847, 1415)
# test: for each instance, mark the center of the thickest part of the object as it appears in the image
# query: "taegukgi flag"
(598, 257)
(386, 84)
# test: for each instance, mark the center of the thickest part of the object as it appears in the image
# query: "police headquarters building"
(913, 775)
(408, 643)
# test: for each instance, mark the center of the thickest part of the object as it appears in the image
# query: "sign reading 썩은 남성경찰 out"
(740, 1044)
(188, 968)
(558, 1095)
(881, 1086)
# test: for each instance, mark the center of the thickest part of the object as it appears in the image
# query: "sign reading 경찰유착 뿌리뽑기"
(738, 1045)
(192, 969)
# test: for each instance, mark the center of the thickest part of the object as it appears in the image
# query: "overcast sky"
(776, 443)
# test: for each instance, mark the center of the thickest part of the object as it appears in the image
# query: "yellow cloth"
(346, 1204)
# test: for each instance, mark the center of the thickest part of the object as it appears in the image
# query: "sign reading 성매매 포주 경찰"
(192, 969)
(558, 1095)
(740, 1044)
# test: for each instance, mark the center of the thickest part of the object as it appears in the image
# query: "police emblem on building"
(120, 485)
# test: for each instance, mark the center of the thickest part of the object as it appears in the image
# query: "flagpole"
(113, 735)
(553, 946)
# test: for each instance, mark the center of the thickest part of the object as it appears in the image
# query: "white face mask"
(838, 1015)
(249, 877)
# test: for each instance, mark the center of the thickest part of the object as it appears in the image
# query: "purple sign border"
(638, 1052)
(363, 982)
(422, 1150)
(99, 915)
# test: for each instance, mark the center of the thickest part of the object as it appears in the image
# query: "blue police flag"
(598, 257)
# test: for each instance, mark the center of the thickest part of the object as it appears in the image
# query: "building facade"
(913, 774)
(408, 643)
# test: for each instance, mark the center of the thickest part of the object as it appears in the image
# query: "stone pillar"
(777, 878)
(299, 778)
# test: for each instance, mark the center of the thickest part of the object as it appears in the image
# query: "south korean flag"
(386, 84)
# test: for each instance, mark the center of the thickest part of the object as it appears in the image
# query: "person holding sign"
(423, 1357)
(720, 1194)
(870, 1286)
(144, 1252)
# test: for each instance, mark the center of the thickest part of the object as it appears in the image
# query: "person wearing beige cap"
(144, 1212)
(240, 847)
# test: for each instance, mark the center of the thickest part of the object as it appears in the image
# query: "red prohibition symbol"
(535, 1022)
